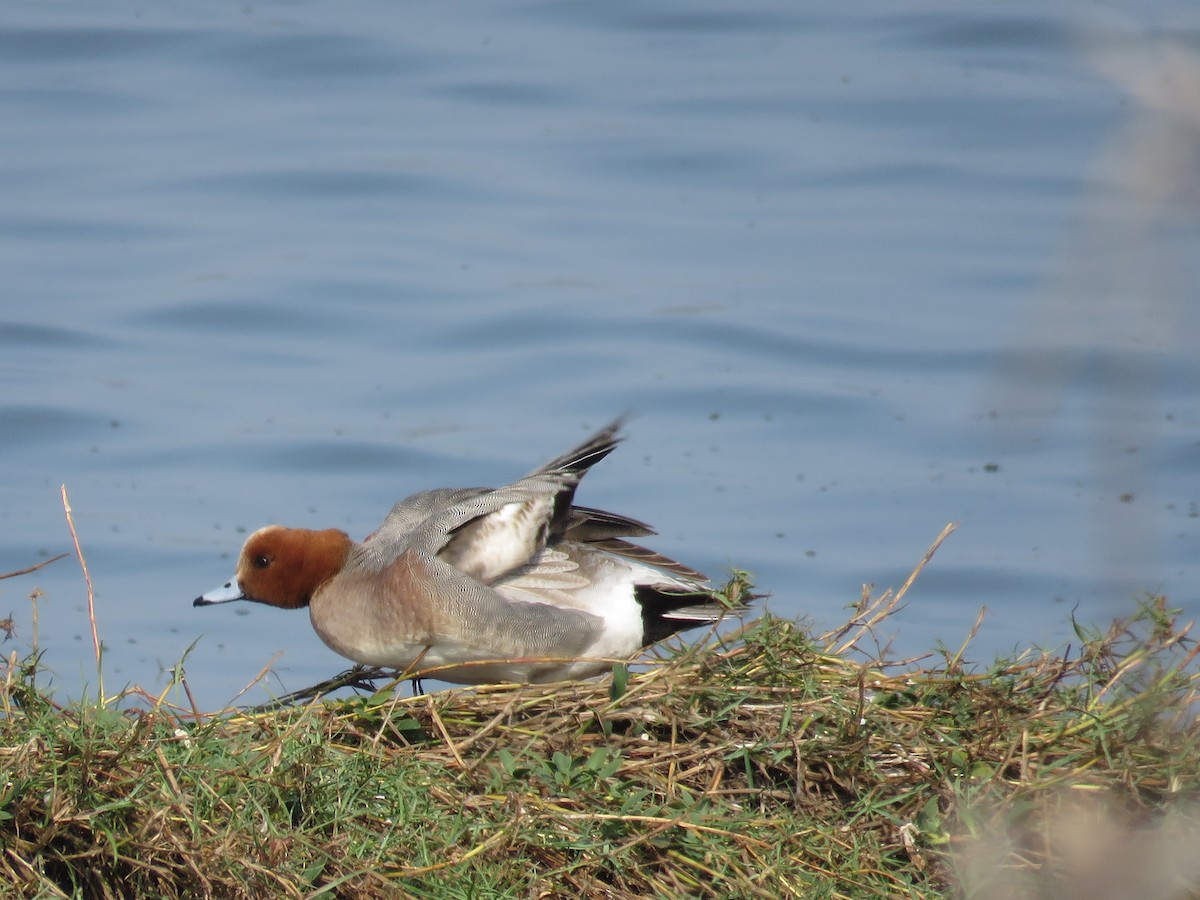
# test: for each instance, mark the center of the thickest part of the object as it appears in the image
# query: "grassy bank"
(772, 763)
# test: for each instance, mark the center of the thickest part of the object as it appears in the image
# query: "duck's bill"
(226, 593)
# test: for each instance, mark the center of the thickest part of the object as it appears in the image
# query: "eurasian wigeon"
(482, 585)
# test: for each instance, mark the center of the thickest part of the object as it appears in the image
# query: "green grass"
(772, 763)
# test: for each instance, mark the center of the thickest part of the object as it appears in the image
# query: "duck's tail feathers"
(667, 610)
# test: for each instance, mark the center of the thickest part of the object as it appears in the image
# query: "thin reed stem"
(87, 577)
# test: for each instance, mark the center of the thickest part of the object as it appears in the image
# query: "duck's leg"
(357, 676)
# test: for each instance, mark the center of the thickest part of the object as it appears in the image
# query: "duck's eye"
(261, 562)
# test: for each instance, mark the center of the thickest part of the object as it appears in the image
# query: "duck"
(484, 585)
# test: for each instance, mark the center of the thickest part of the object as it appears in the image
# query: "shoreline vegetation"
(769, 762)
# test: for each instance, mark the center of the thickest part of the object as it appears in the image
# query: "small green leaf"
(620, 680)
(313, 872)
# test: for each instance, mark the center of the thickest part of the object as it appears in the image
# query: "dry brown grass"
(766, 763)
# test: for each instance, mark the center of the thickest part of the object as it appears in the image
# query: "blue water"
(858, 270)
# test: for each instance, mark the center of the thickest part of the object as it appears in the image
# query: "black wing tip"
(598, 446)
(582, 457)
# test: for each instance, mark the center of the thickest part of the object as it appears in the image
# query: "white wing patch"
(491, 546)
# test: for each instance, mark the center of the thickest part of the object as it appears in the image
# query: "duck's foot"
(359, 676)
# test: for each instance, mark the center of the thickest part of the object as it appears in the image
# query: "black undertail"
(666, 611)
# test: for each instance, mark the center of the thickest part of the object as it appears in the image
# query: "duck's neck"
(323, 555)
